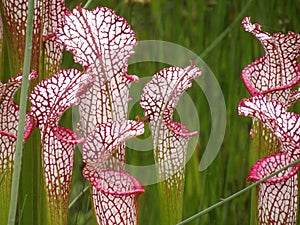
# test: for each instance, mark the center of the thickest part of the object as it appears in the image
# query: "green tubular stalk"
(21, 125)
(5, 191)
(260, 147)
(32, 181)
(171, 203)
(253, 157)
(2, 178)
(171, 199)
(6, 178)
(32, 184)
(7, 52)
(170, 193)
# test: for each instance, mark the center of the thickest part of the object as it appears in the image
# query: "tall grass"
(194, 25)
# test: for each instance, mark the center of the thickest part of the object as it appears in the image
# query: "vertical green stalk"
(21, 125)
(171, 202)
(7, 53)
(5, 190)
(253, 157)
(6, 177)
(170, 193)
(31, 190)
(260, 147)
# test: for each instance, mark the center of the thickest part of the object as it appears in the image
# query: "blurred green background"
(211, 29)
(198, 25)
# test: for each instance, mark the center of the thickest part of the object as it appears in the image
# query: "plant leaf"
(114, 194)
(277, 196)
(170, 139)
(113, 191)
(95, 34)
(15, 14)
(9, 112)
(53, 15)
(107, 137)
(285, 125)
(269, 165)
(49, 99)
(278, 70)
(47, 15)
(8, 147)
(101, 42)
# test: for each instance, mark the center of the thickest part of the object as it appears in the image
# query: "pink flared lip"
(74, 138)
(28, 129)
(255, 176)
(253, 91)
(183, 131)
(137, 188)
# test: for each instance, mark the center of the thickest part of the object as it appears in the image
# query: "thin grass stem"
(22, 209)
(88, 3)
(22, 114)
(2, 178)
(226, 31)
(78, 196)
(231, 197)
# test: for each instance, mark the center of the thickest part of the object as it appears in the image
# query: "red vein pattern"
(278, 69)
(278, 196)
(49, 99)
(116, 195)
(170, 139)
(9, 112)
(114, 192)
(285, 125)
(101, 42)
(47, 15)
(53, 15)
(277, 200)
(107, 137)
(15, 14)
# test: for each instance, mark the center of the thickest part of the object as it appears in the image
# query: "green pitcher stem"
(171, 201)
(32, 185)
(260, 147)
(253, 157)
(56, 212)
(5, 191)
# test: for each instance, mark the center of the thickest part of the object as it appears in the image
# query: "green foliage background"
(194, 25)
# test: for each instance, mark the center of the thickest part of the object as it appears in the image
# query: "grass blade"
(21, 125)
(78, 196)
